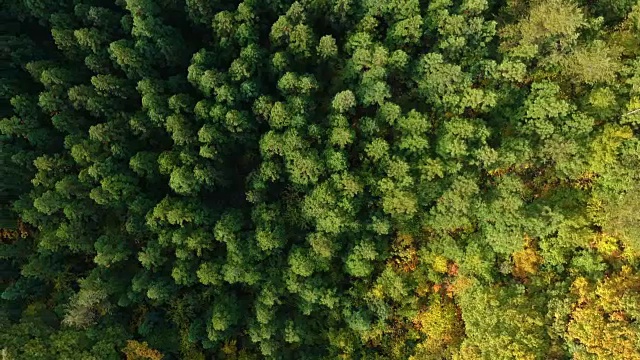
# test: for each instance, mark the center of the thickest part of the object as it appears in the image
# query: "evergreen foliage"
(319, 179)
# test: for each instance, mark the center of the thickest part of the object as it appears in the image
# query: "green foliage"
(313, 179)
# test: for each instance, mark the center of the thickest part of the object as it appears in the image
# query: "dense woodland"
(320, 179)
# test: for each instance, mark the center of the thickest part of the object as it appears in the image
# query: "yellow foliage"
(604, 147)
(230, 348)
(619, 221)
(581, 288)
(606, 244)
(602, 338)
(634, 104)
(422, 289)
(594, 206)
(373, 336)
(377, 292)
(602, 98)
(140, 351)
(612, 289)
(468, 352)
(630, 254)
(499, 171)
(526, 262)
(443, 327)
(440, 264)
(404, 240)
(601, 319)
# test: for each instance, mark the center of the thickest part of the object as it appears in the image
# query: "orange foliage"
(436, 288)
(453, 269)
(7, 235)
(459, 285)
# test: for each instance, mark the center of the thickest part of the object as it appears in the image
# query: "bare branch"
(631, 112)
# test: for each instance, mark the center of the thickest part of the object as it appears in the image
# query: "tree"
(602, 317)
(396, 179)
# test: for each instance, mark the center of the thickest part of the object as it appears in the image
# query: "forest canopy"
(320, 179)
